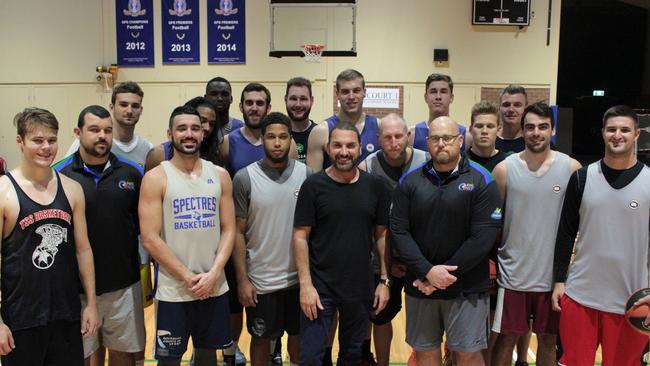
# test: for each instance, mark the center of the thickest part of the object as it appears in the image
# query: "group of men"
(310, 225)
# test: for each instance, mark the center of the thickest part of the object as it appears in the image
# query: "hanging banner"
(180, 31)
(226, 32)
(134, 28)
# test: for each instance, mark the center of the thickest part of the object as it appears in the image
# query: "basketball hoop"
(312, 51)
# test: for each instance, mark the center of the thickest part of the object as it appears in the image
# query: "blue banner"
(226, 32)
(134, 28)
(180, 31)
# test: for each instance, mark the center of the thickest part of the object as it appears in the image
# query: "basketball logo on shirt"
(557, 188)
(370, 147)
(45, 252)
(634, 204)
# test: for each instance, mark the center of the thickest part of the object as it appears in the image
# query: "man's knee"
(469, 358)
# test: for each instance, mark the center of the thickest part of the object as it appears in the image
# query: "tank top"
(422, 131)
(191, 228)
(369, 142)
(269, 231)
(302, 138)
(40, 277)
(374, 166)
(533, 207)
(241, 152)
(611, 260)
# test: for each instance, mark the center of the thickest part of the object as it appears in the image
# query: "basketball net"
(312, 51)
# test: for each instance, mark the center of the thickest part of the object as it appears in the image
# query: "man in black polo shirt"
(111, 186)
(443, 222)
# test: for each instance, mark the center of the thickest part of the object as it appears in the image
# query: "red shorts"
(516, 308)
(582, 329)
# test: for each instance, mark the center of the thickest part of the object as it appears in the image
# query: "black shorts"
(394, 304)
(206, 321)
(57, 344)
(274, 314)
(231, 278)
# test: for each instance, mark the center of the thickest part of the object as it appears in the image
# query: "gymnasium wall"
(50, 50)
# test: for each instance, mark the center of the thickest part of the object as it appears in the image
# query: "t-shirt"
(510, 146)
(488, 163)
(342, 218)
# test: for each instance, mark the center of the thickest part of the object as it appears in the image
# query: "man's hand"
(6, 340)
(643, 301)
(424, 286)
(440, 277)
(246, 292)
(310, 302)
(204, 284)
(382, 294)
(558, 293)
(89, 321)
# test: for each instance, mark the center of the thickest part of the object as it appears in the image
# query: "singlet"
(510, 146)
(269, 229)
(611, 260)
(232, 125)
(241, 152)
(301, 138)
(374, 166)
(532, 214)
(422, 131)
(191, 228)
(168, 149)
(40, 277)
(369, 142)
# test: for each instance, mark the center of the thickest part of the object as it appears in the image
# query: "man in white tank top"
(608, 202)
(532, 185)
(188, 224)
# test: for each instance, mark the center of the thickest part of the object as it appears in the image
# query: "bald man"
(444, 219)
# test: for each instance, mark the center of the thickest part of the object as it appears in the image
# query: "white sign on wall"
(380, 98)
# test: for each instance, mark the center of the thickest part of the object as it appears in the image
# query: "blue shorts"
(206, 321)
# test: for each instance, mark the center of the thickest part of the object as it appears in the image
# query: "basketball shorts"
(394, 304)
(55, 344)
(515, 309)
(274, 314)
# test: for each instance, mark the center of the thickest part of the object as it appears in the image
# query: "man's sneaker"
(369, 360)
(228, 360)
(275, 359)
(240, 359)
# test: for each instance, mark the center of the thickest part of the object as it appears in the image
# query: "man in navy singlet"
(45, 252)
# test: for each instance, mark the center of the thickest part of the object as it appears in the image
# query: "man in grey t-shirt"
(265, 199)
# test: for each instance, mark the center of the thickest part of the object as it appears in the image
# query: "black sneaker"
(275, 359)
(229, 360)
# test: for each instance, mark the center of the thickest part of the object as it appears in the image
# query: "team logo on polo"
(194, 212)
(496, 214)
(45, 253)
(466, 187)
(226, 8)
(634, 204)
(126, 185)
(370, 147)
(557, 188)
(134, 9)
(180, 8)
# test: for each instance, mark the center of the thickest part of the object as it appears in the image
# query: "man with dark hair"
(393, 160)
(111, 186)
(483, 128)
(219, 92)
(512, 102)
(444, 219)
(341, 216)
(438, 94)
(188, 225)
(532, 186)
(298, 99)
(46, 255)
(608, 203)
(350, 92)
(265, 200)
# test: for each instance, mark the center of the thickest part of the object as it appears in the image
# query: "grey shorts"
(121, 319)
(464, 319)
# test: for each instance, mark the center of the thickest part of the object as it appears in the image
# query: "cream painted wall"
(51, 49)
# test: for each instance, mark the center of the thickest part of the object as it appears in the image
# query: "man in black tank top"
(298, 99)
(45, 251)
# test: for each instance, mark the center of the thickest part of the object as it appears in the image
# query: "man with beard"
(532, 184)
(350, 92)
(512, 102)
(111, 186)
(188, 225)
(341, 216)
(265, 200)
(608, 203)
(393, 160)
(438, 94)
(46, 256)
(444, 219)
(298, 99)
(219, 92)
(210, 144)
